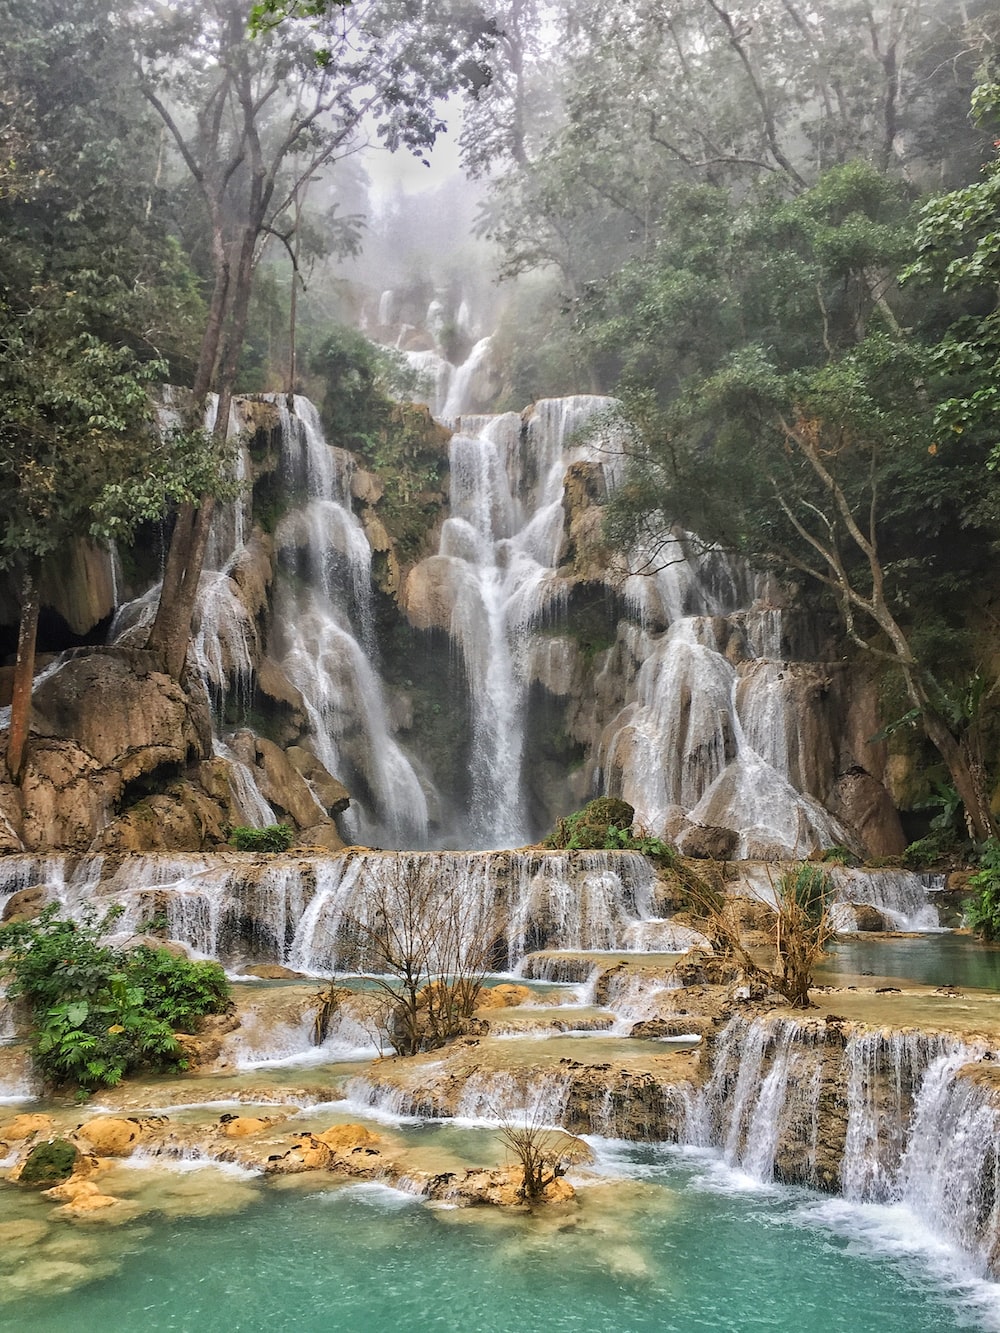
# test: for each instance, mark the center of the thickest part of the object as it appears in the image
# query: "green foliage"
(941, 845)
(839, 856)
(983, 910)
(98, 1013)
(605, 824)
(272, 838)
(49, 1163)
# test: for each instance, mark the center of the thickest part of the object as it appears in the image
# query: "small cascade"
(762, 1098)
(261, 1043)
(511, 1098)
(519, 901)
(902, 896)
(922, 1120)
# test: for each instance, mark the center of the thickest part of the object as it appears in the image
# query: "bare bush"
(803, 927)
(428, 950)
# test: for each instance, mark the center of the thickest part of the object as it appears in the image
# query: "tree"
(958, 249)
(812, 450)
(803, 927)
(428, 949)
(95, 303)
(252, 122)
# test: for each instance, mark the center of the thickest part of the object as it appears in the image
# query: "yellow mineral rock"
(111, 1137)
(24, 1126)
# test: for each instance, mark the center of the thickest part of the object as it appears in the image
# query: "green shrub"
(936, 847)
(273, 838)
(99, 1013)
(983, 910)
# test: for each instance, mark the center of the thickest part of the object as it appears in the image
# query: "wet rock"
(66, 796)
(247, 1126)
(308, 1154)
(347, 1138)
(86, 1203)
(111, 1137)
(867, 918)
(708, 842)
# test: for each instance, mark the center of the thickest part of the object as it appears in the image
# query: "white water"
(920, 1136)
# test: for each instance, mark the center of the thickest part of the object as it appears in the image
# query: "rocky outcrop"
(124, 712)
(862, 802)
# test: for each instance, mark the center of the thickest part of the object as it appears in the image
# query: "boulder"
(124, 712)
(87, 1203)
(505, 996)
(111, 1137)
(367, 487)
(48, 1163)
(860, 801)
(24, 905)
(26, 1126)
(867, 918)
(309, 1154)
(708, 842)
(247, 1126)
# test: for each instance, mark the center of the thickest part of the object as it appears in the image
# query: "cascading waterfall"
(922, 1120)
(314, 913)
(496, 572)
(325, 636)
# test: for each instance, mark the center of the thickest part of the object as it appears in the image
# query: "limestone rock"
(111, 1137)
(284, 787)
(67, 796)
(505, 996)
(367, 487)
(861, 802)
(273, 972)
(429, 592)
(275, 686)
(347, 1138)
(124, 712)
(247, 1126)
(79, 586)
(86, 1203)
(332, 794)
(309, 1154)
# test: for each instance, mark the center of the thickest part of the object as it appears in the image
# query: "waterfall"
(324, 633)
(496, 575)
(922, 1120)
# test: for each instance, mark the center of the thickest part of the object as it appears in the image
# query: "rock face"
(120, 760)
(123, 712)
(862, 802)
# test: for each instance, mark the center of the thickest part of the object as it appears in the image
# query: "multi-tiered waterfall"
(689, 707)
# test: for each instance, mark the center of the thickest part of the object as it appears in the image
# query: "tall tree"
(803, 436)
(95, 302)
(252, 121)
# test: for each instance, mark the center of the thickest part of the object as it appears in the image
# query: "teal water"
(677, 1245)
(932, 960)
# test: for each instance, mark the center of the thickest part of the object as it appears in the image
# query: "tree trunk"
(968, 782)
(24, 674)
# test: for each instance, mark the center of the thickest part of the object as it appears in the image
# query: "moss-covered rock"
(587, 829)
(49, 1163)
